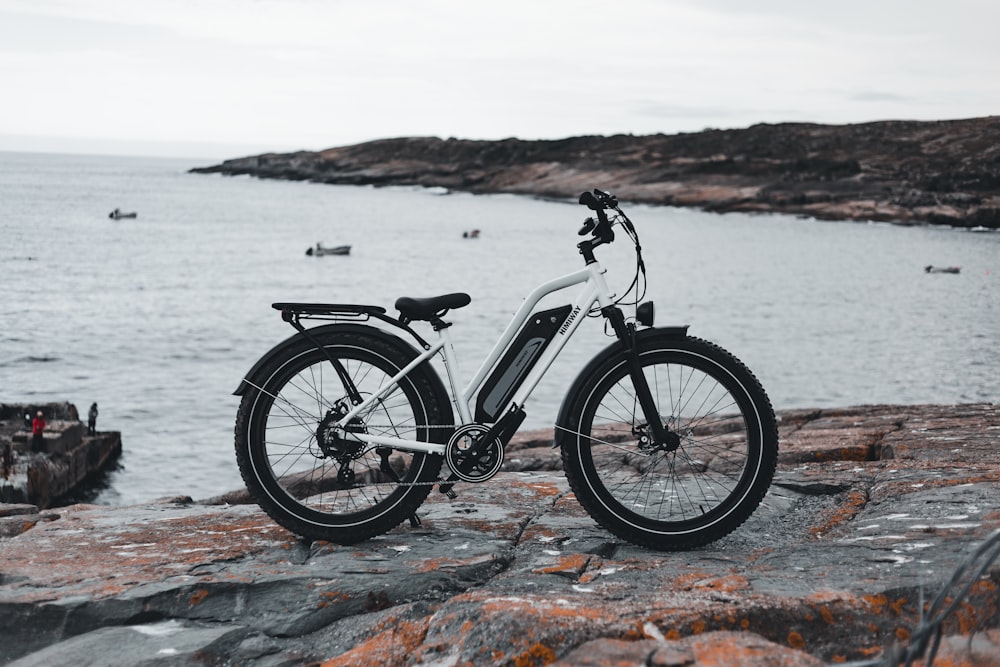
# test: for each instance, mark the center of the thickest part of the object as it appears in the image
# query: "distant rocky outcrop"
(944, 172)
(872, 511)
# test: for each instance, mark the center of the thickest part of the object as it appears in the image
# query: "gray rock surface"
(871, 511)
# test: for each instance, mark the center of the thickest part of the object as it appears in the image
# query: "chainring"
(489, 461)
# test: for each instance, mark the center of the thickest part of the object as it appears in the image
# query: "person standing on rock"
(37, 433)
(92, 420)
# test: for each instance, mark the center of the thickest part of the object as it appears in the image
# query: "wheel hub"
(648, 445)
(330, 440)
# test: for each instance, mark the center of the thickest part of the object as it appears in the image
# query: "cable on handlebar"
(640, 266)
(599, 202)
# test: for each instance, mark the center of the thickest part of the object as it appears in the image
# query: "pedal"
(447, 490)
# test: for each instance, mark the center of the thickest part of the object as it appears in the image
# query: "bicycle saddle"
(430, 307)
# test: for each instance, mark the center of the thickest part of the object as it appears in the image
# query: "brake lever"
(588, 226)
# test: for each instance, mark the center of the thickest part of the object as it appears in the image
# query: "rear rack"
(293, 312)
(321, 311)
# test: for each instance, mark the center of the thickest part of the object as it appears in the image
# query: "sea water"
(158, 318)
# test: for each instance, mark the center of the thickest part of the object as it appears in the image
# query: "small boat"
(320, 251)
(942, 269)
(118, 214)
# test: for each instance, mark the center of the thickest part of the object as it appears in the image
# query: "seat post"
(438, 324)
(453, 371)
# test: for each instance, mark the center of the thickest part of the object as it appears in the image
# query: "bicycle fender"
(643, 338)
(321, 331)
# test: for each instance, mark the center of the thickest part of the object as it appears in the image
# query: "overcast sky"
(222, 78)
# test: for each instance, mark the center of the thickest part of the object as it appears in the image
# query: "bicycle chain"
(390, 427)
(393, 427)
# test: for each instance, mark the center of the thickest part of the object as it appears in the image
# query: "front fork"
(662, 437)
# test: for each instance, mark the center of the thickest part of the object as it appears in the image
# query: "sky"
(227, 78)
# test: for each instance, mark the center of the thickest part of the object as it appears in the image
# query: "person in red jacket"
(37, 430)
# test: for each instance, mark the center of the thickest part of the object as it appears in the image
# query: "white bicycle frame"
(595, 291)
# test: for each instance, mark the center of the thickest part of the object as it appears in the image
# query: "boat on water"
(942, 269)
(320, 251)
(119, 214)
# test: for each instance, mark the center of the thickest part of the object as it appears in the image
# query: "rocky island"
(871, 540)
(908, 172)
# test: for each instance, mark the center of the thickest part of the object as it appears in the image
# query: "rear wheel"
(316, 480)
(683, 494)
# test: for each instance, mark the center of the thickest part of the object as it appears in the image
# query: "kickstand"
(414, 520)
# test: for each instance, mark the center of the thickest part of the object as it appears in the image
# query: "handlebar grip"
(598, 200)
(590, 201)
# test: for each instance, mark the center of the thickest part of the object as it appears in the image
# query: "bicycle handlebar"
(603, 232)
(598, 200)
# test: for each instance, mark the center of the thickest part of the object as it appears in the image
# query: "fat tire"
(645, 503)
(292, 369)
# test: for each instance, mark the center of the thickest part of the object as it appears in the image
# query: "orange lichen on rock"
(197, 597)
(331, 597)
(826, 614)
(968, 618)
(393, 646)
(567, 563)
(687, 582)
(825, 596)
(542, 533)
(877, 602)
(444, 562)
(635, 632)
(795, 640)
(546, 490)
(730, 583)
(880, 603)
(536, 656)
(544, 608)
(742, 650)
(534, 488)
(847, 510)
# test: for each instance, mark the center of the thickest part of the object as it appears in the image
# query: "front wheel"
(698, 487)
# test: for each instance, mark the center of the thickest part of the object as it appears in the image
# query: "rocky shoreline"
(907, 172)
(871, 511)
